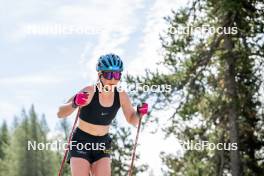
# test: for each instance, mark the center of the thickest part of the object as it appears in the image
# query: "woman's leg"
(79, 166)
(102, 167)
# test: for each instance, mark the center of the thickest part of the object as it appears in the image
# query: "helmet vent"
(109, 60)
(114, 61)
(106, 65)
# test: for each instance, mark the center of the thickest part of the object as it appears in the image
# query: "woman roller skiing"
(97, 106)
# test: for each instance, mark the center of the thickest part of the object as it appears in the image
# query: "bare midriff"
(96, 130)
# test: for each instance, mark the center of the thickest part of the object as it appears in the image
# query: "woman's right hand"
(80, 99)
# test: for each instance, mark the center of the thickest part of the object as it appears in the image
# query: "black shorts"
(89, 147)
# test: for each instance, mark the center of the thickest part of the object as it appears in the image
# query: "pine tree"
(122, 146)
(4, 144)
(4, 139)
(217, 76)
(23, 160)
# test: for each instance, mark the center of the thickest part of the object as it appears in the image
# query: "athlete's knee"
(102, 167)
(79, 166)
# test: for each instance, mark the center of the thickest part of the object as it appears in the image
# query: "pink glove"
(80, 99)
(142, 109)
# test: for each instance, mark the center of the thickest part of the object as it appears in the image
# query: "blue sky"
(45, 70)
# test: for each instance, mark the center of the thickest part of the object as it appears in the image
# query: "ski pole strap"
(69, 140)
(134, 147)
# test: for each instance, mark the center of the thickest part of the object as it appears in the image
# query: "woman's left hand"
(142, 109)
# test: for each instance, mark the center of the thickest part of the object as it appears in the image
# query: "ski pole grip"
(142, 109)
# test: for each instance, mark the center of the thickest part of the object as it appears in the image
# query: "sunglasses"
(111, 75)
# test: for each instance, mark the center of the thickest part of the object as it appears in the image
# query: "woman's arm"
(128, 110)
(67, 109)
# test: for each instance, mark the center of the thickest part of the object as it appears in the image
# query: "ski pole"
(136, 140)
(134, 148)
(69, 140)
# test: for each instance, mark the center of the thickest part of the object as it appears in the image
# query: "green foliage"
(218, 77)
(122, 146)
(4, 139)
(19, 159)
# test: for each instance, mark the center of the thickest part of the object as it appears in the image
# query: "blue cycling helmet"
(109, 62)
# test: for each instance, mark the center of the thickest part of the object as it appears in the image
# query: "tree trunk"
(231, 94)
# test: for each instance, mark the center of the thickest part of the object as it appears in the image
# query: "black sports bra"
(99, 115)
